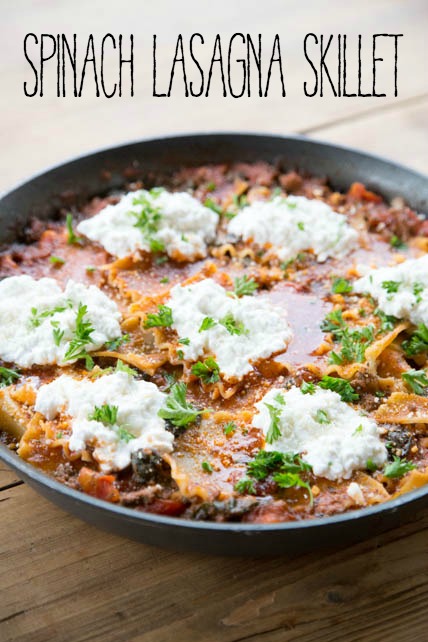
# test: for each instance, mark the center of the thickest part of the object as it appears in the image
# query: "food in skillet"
(239, 343)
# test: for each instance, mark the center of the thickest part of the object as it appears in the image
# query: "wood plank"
(399, 134)
(63, 580)
(40, 131)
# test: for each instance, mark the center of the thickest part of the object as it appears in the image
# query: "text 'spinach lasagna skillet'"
(239, 344)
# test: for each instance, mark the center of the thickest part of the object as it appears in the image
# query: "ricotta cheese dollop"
(294, 224)
(136, 424)
(240, 331)
(38, 320)
(401, 291)
(331, 436)
(174, 222)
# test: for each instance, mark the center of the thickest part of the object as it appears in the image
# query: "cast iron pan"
(101, 171)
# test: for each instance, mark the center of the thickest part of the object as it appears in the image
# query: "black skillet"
(108, 169)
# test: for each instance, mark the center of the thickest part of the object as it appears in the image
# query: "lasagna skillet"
(229, 343)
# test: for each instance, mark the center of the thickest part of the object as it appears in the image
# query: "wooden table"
(64, 581)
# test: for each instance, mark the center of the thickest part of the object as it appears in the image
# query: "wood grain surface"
(65, 581)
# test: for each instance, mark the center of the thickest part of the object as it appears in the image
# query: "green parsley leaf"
(162, 319)
(185, 341)
(397, 242)
(358, 430)
(417, 380)
(341, 286)
(341, 386)
(274, 431)
(387, 320)
(229, 428)
(82, 337)
(232, 325)
(114, 344)
(105, 414)
(164, 279)
(90, 269)
(300, 225)
(206, 467)
(418, 342)
(208, 370)
(391, 286)
(72, 238)
(56, 260)
(398, 468)
(57, 335)
(371, 466)
(322, 417)
(334, 323)
(212, 205)
(207, 323)
(210, 186)
(148, 220)
(418, 288)
(7, 376)
(122, 367)
(177, 410)
(245, 486)
(307, 388)
(292, 480)
(124, 434)
(245, 286)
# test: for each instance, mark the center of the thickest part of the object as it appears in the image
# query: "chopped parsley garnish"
(207, 371)
(417, 380)
(162, 319)
(397, 468)
(245, 286)
(354, 342)
(185, 341)
(56, 260)
(286, 470)
(122, 367)
(82, 337)
(307, 388)
(57, 334)
(341, 286)
(418, 342)
(177, 410)
(274, 431)
(124, 434)
(7, 376)
(358, 430)
(164, 279)
(418, 288)
(212, 205)
(232, 325)
(371, 466)
(37, 317)
(245, 486)
(387, 321)
(397, 242)
(211, 186)
(341, 386)
(72, 238)
(300, 225)
(321, 416)
(90, 268)
(105, 414)
(148, 220)
(206, 467)
(240, 201)
(207, 323)
(229, 428)
(391, 286)
(114, 344)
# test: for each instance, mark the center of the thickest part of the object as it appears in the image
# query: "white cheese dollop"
(293, 224)
(28, 338)
(331, 436)
(266, 330)
(178, 221)
(138, 403)
(355, 492)
(401, 291)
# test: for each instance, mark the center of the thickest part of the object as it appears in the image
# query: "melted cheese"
(28, 319)
(265, 329)
(138, 403)
(293, 224)
(401, 291)
(179, 222)
(332, 437)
